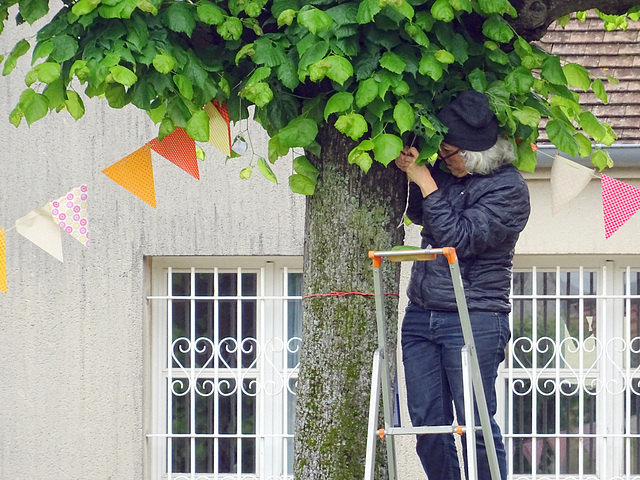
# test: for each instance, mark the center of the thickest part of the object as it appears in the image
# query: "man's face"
(450, 154)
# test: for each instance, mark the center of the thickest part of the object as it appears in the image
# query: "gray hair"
(487, 161)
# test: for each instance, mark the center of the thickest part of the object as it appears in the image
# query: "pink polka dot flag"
(619, 202)
(179, 148)
(3, 263)
(70, 213)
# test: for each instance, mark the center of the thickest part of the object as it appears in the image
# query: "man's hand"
(419, 174)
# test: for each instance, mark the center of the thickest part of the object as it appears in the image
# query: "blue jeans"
(431, 344)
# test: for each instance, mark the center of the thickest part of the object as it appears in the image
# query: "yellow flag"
(3, 263)
(135, 173)
(219, 128)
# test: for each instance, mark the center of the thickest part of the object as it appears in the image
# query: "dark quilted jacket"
(481, 216)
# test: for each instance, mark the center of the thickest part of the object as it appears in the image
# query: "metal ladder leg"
(374, 405)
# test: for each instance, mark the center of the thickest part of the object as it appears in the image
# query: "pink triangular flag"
(39, 227)
(179, 148)
(70, 213)
(619, 202)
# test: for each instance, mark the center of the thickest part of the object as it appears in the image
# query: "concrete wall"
(71, 335)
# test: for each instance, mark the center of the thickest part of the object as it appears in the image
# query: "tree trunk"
(339, 332)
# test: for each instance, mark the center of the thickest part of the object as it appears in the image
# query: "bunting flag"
(568, 179)
(70, 212)
(179, 148)
(619, 202)
(39, 227)
(135, 173)
(219, 126)
(3, 263)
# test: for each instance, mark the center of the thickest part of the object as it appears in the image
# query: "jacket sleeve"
(500, 212)
(414, 207)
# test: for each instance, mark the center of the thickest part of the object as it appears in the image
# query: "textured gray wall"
(71, 334)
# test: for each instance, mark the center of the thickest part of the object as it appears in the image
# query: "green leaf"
(592, 126)
(184, 86)
(16, 116)
(115, 95)
(84, 7)
(19, 50)
(48, 72)
(198, 126)
(259, 93)
(552, 71)
(123, 75)
(352, 125)
(404, 116)
(259, 75)
(598, 89)
(33, 105)
(315, 20)
(301, 184)
(528, 116)
(300, 132)
(286, 17)
(164, 63)
(478, 80)
(338, 102)
(266, 171)
(584, 145)
(32, 10)
(230, 29)
(601, 159)
(41, 50)
(245, 173)
(386, 148)
(519, 81)
(367, 92)
(64, 48)
(442, 10)
(560, 135)
(431, 67)
(526, 158)
(417, 34)
(303, 166)
(577, 76)
(393, 62)
(498, 29)
(55, 95)
(496, 6)
(361, 157)
(444, 57)
(74, 104)
(167, 127)
(210, 13)
(462, 5)
(339, 69)
(179, 17)
(367, 10)
(268, 53)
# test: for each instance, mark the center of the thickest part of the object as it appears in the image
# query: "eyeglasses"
(448, 155)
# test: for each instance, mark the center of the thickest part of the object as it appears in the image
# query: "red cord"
(344, 294)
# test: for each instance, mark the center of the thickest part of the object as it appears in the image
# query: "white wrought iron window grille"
(571, 381)
(225, 346)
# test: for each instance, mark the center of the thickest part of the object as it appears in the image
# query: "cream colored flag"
(568, 179)
(39, 227)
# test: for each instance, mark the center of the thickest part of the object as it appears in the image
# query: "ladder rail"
(472, 378)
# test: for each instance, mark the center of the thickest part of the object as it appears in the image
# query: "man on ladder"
(474, 200)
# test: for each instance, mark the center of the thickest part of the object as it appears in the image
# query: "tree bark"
(535, 16)
(339, 332)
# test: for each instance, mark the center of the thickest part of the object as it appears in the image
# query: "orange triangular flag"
(619, 203)
(180, 148)
(219, 126)
(3, 263)
(135, 173)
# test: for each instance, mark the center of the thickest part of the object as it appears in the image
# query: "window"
(225, 336)
(571, 382)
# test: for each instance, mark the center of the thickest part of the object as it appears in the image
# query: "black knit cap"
(472, 124)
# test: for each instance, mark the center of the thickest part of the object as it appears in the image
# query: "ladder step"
(423, 430)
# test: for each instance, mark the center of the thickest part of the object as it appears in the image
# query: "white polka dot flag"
(70, 213)
(619, 202)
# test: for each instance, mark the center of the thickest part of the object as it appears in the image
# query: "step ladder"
(380, 379)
